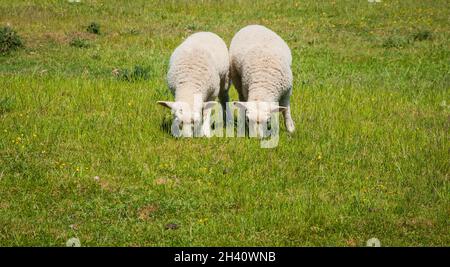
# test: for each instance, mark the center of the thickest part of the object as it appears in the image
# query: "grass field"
(83, 152)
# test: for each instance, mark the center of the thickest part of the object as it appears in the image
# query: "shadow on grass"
(165, 125)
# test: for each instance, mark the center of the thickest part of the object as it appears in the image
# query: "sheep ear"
(209, 104)
(277, 109)
(242, 105)
(166, 104)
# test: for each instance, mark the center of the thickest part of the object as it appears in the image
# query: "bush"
(136, 74)
(79, 42)
(9, 40)
(94, 28)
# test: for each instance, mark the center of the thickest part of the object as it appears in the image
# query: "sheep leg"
(288, 122)
(206, 127)
(224, 98)
(237, 81)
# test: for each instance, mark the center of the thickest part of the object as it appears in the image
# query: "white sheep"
(260, 64)
(199, 67)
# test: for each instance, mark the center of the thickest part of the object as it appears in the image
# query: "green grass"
(370, 157)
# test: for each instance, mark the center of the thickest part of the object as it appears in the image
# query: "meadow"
(84, 153)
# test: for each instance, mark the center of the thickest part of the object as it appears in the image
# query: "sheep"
(198, 68)
(260, 68)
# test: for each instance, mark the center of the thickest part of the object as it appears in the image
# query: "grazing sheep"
(260, 64)
(198, 68)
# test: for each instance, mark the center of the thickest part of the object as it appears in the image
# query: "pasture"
(84, 153)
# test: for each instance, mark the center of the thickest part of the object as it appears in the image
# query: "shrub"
(9, 40)
(94, 28)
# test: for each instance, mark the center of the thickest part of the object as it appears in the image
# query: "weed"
(79, 42)
(136, 74)
(93, 28)
(423, 35)
(6, 105)
(9, 40)
(192, 27)
(396, 41)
